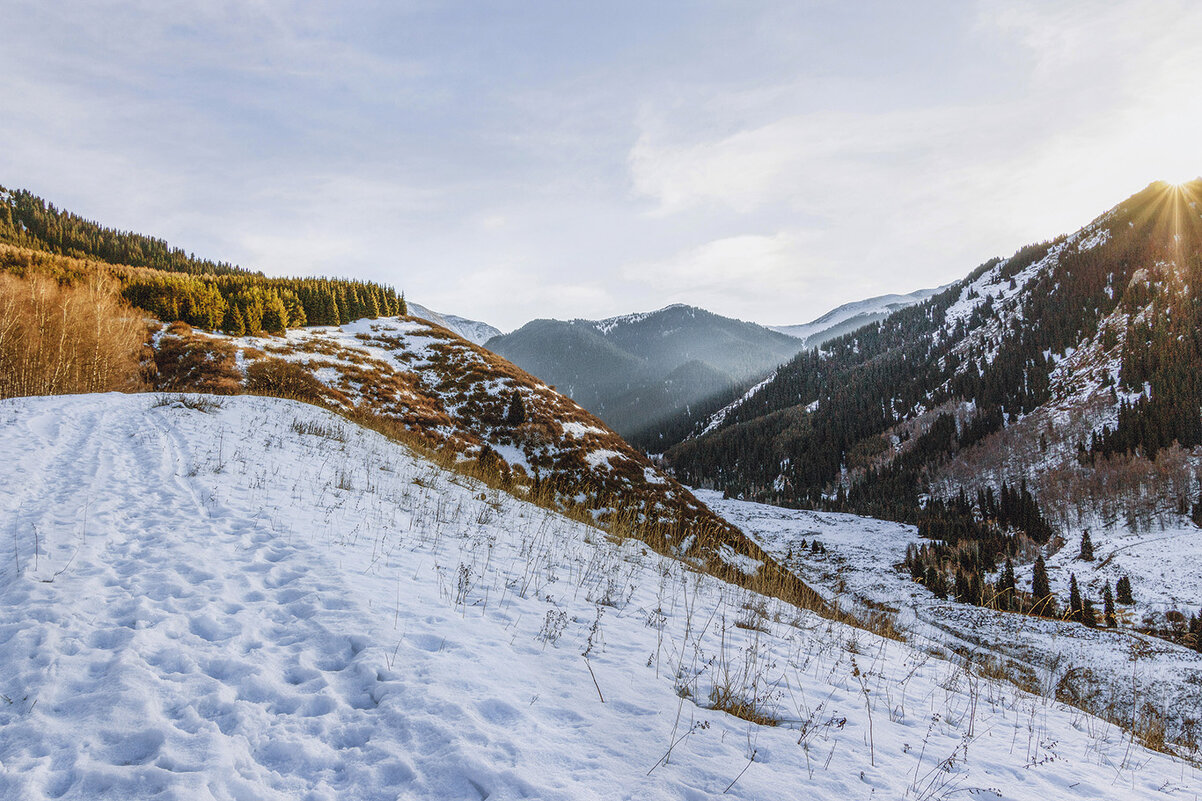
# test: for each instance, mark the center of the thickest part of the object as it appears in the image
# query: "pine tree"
(1041, 591)
(1122, 591)
(516, 414)
(1108, 606)
(275, 315)
(1006, 587)
(235, 324)
(1075, 607)
(1088, 616)
(1086, 554)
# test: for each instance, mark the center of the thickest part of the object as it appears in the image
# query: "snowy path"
(264, 602)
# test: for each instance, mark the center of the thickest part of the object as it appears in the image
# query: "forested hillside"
(1066, 376)
(173, 285)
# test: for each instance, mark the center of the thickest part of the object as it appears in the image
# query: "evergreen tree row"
(248, 304)
(28, 221)
(171, 285)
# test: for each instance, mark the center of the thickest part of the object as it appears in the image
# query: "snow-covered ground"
(1104, 670)
(1164, 565)
(258, 600)
(865, 311)
(471, 330)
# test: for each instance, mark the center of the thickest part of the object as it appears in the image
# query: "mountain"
(851, 316)
(471, 409)
(75, 320)
(639, 370)
(472, 330)
(1050, 392)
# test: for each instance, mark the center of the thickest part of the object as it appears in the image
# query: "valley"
(371, 558)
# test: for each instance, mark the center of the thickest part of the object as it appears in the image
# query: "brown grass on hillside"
(189, 362)
(57, 339)
(284, 379)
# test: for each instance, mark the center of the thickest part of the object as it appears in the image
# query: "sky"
(506, 160)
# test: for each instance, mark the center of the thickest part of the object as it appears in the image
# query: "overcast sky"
(512, 160)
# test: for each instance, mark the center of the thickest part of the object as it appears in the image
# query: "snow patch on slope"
(472, 330)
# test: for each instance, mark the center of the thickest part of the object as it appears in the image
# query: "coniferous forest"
(171, 285)
(867, 423)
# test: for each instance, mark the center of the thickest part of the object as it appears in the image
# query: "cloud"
(769, 159)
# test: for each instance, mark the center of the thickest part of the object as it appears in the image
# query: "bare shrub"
(286, 379)
(59, 339)
(188, 362)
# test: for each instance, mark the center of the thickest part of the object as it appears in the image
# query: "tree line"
(173, 285)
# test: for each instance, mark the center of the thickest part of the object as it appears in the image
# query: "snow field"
(262, 601)
(1116, 673)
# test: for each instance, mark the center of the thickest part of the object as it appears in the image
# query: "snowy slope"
(858, 568)
(850, 316)
(261, 601)
(471, 330)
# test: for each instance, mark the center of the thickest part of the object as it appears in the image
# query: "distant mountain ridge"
(1072, 367)
(473, 331)
(850, 316)
(637, 370)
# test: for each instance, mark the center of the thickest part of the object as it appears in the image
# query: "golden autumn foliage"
(58, 339)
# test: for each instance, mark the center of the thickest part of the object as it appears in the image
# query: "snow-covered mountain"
(242, 597)
(465, 405)
(1046, 395)
(850, 316)
(642, 372)
(471, 330)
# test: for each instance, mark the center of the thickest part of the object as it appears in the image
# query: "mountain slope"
(473, 331)
(415, 380)
(1063, 380)
(430, 388)
(625, 369)
(851, 316)
(263, 601)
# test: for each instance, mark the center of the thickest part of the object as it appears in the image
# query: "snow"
(578, 430)
(1094, 239)
(601, 457)
(651, 476)
(214, 605)
(858, 570)
(606, 326)
(870, 309)
(720, 415)
(472, 330)
(1165, 566)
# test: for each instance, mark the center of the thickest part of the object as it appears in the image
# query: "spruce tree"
(275, 315)
(1086, 554)
(1088, 616)
(1122, 591)
(1041, 591)
(516, 414)
(1108, 606)
(235, 324)
(1075, 608)
(1006, 587)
